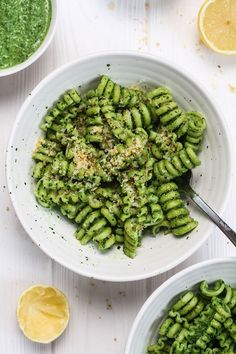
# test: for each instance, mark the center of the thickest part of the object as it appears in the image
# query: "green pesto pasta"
(202, 321)
(108, 160)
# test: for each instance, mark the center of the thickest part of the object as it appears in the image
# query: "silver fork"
(186, 189)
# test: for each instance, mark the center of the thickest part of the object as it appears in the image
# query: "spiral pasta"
(199, 322)
(166, 170)
(106, 160)
(168, 111)
(196, 128)
(174, 210)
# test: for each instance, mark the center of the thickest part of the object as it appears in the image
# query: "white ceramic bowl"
(55, 236)
(44, 45)
(145, 327)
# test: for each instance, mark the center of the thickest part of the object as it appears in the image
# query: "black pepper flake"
(118, 247)
(16, 149)
(218, 66)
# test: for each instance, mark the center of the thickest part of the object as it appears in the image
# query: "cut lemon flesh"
(217, 25)
(43, 313)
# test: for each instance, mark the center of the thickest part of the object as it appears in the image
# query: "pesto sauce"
(23, 27)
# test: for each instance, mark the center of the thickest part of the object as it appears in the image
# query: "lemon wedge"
(43, 313)
(217, 25)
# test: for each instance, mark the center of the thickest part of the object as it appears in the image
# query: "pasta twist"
(217, 288)
(167, 110)
(166, 170)
(67, 101)
(131, 237)
(230, 298)
(137, 117)
(196, 128)
(94, 226)
(120, 96)
(174, 210)
(189, 306)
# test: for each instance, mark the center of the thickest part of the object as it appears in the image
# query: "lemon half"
(43, 313)
(217, 25)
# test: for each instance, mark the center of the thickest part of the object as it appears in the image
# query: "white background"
(102, 313)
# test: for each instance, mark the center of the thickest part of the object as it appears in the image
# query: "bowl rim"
(136, 55)
(165, 285)
(41, 49)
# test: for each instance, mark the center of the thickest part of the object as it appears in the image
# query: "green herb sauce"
(23, 27)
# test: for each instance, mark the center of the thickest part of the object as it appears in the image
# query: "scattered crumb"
(109, 305)
(111, 6)
(92, 284)
(158, 44)
(122, 293)
(7, 208)
(147, 5)
(232, 88)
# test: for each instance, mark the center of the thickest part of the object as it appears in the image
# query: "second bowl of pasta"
(93, 160)
(192, 312)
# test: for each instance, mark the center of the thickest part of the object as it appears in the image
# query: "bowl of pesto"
(94, 158)
(192, 312)
(26, 30)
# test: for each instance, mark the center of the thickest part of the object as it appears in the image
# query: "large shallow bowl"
(145, 327)
(41, 49)
(55, 235)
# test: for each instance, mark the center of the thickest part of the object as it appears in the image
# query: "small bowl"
(55, 235)
(146, 324)
(41, 49)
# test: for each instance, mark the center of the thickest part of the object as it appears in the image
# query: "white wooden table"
(101, 313)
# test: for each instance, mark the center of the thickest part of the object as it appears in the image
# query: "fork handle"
(226, 229)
